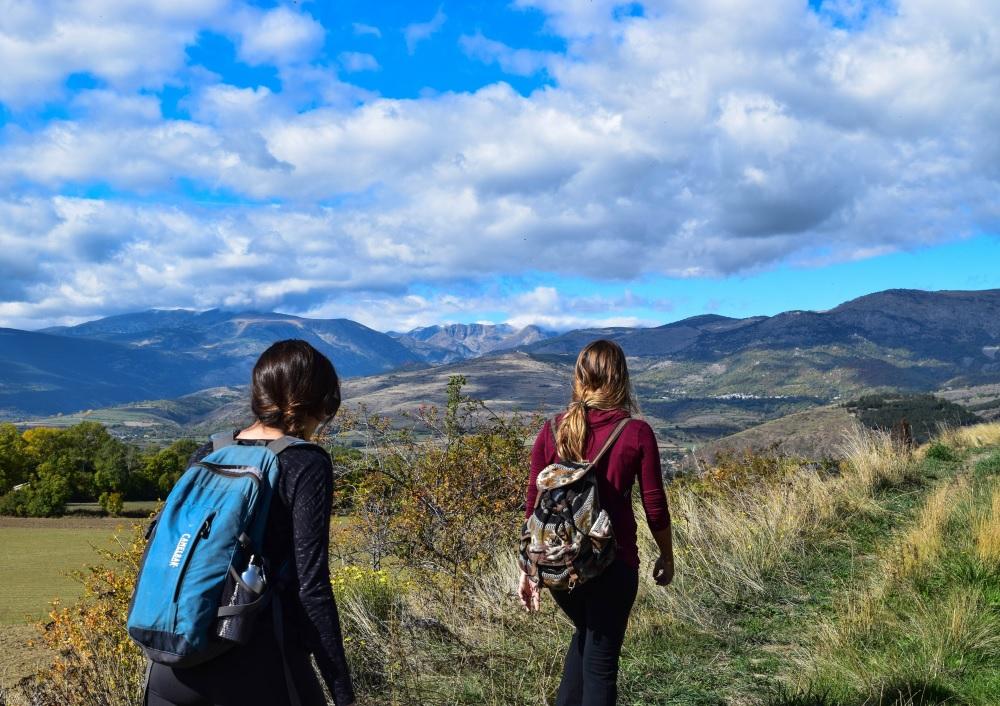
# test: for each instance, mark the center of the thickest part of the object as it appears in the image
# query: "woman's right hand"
(529, 593)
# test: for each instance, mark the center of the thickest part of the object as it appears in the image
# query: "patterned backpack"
(567, 540)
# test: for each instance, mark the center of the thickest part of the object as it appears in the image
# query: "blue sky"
(562, 162)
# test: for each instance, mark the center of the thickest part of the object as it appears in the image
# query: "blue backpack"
(198, 546)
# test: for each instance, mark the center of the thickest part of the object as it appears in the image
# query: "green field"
(36, 557)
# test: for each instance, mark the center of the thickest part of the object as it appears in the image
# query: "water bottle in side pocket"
(239, 628)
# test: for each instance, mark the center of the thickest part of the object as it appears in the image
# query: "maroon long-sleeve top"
(634, 456)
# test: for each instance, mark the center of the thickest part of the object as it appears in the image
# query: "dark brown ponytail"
(292, 382)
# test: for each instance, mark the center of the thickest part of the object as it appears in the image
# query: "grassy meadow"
(36, 558)
(873, 582)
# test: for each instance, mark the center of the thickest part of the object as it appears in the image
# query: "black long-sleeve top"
(298, 528)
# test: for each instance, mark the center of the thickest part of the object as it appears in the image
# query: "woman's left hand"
(529, 593)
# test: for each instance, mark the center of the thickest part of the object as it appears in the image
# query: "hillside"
(160, 421)
(507, 382)
(40, 373)
(815, 434)
(898, 339)
(983, 400)
(166, 354)
(961, 329)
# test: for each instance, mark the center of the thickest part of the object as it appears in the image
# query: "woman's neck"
(260, 431)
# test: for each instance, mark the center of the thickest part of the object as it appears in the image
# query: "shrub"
(48, 493)
(45, 496)
(732, 469)
(925, 413)
(111, 503)
(443, 493)
(14, 461)
(941, 452)
(15, 503)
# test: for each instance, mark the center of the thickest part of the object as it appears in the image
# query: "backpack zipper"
(202, 533)
(230, 470)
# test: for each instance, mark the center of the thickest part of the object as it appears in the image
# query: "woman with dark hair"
(295, 391)
(600, 607)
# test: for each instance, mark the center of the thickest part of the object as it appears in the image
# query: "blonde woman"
(599, 609)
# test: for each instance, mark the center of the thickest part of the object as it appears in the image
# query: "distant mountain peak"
(445, 343)
(699, 320)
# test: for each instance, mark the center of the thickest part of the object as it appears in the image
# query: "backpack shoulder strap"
(610, 442)
(281, 443)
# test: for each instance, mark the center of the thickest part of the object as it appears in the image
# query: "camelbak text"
(175, 559)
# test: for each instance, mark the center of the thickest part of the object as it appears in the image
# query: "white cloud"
(362, 30)
(353, 62)
(520, 62)
(279, 36)
(420, 31)
(125, 43)
(702, 139)
(222, 104)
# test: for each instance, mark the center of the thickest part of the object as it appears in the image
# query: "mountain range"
(696, 378)
(169, 353)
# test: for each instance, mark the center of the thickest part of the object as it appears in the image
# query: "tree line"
(42, 469)
(925, 413)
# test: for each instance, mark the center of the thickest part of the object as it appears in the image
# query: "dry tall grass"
(873, 460)
(972, 437)
(914, 645)
(922, 543)
(731, 544)
(987, 531)
(863, 611)
(736, 540)
(733, 540)
(891, 639)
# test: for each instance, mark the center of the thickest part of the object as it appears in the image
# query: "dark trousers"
(599, 609)
(252, 675)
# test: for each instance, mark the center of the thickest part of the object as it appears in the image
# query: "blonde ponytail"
(600, 381)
